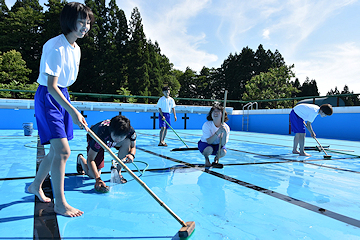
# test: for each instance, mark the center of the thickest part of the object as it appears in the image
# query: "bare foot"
(295, 152)
(67, 211)
(304, 154)
(39, 193)
(207, 162)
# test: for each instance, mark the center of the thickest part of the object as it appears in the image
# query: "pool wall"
(343, 124)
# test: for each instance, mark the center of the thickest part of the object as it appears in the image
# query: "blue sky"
(320, 37)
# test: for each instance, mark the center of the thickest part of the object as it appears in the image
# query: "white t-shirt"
(166, 104)
(61, 60)
(307, 112)
(209, 129)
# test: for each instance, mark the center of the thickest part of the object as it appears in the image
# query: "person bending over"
(301, 116)
(117, 133)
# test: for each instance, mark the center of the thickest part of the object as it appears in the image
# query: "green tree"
(155, 75)
(308, 88)
(350, 100)
(14, 75)
(138, 63)
(13, 68)
(187, 82)
(273, 84)
(21, 30)
(122, 49)
(3, 10)
(51, 26)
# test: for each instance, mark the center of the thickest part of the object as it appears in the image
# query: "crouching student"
(117, 133)
(213, 131)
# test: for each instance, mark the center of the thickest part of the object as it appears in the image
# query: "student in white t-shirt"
(213, 130)
(166, 104)
(59, 66)
(301, 116)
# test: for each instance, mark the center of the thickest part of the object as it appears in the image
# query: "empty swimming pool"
(263, 192)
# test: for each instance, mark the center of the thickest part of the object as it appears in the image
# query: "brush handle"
(222, 120)
(176, 134)
(103, 145)
(321, 146)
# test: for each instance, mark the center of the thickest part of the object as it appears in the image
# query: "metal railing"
(100, 97)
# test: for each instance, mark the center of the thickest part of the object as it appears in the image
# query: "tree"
(21, 30)
(3, 10)
(273, 84)
(14, 74)
(348, 100)
(51, 26)
(238, 69)
(13, 68)
(309, 88)
(187, 83)
(139, 82)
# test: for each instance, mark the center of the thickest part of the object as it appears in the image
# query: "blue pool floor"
(263, 192)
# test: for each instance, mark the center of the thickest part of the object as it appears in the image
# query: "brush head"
(185, 232)
(327, 156)
(217, 165)
(183, 149)
(102, 189)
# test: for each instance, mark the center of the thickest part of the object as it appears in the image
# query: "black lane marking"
(308, 206)
(45, 220)
(285, 160)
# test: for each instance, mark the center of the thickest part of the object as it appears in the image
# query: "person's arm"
(224, 135)
(93, 171)
(213, 137)
(55, 92)
(161, 113)
(174, 114)
(309, 127)
(131, 155)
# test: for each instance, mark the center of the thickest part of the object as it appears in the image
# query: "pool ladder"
(245, 119)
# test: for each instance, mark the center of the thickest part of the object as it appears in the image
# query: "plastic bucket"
(28, 128)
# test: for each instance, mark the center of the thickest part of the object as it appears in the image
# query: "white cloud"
(266, 34)
(169, 24)
(334, 66)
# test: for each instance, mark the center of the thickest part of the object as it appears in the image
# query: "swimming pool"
(263, 192)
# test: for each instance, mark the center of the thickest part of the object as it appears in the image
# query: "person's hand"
(129, 158)
(99, 183)
(313, 135)
(163, 118)
(79, 120)
(175, 118)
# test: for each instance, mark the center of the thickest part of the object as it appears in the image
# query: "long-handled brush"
(326, 155)
(187, 228)
(217, 164)
(180, 149)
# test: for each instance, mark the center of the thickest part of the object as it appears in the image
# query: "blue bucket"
(28, 128)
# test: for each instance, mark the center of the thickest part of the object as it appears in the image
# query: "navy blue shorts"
(162, 124)
(215, 147)
(297, 123)
(53, 121)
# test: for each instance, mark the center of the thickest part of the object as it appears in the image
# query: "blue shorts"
(53, 121)
(162, 124)
(215, 147)
(297, 123)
